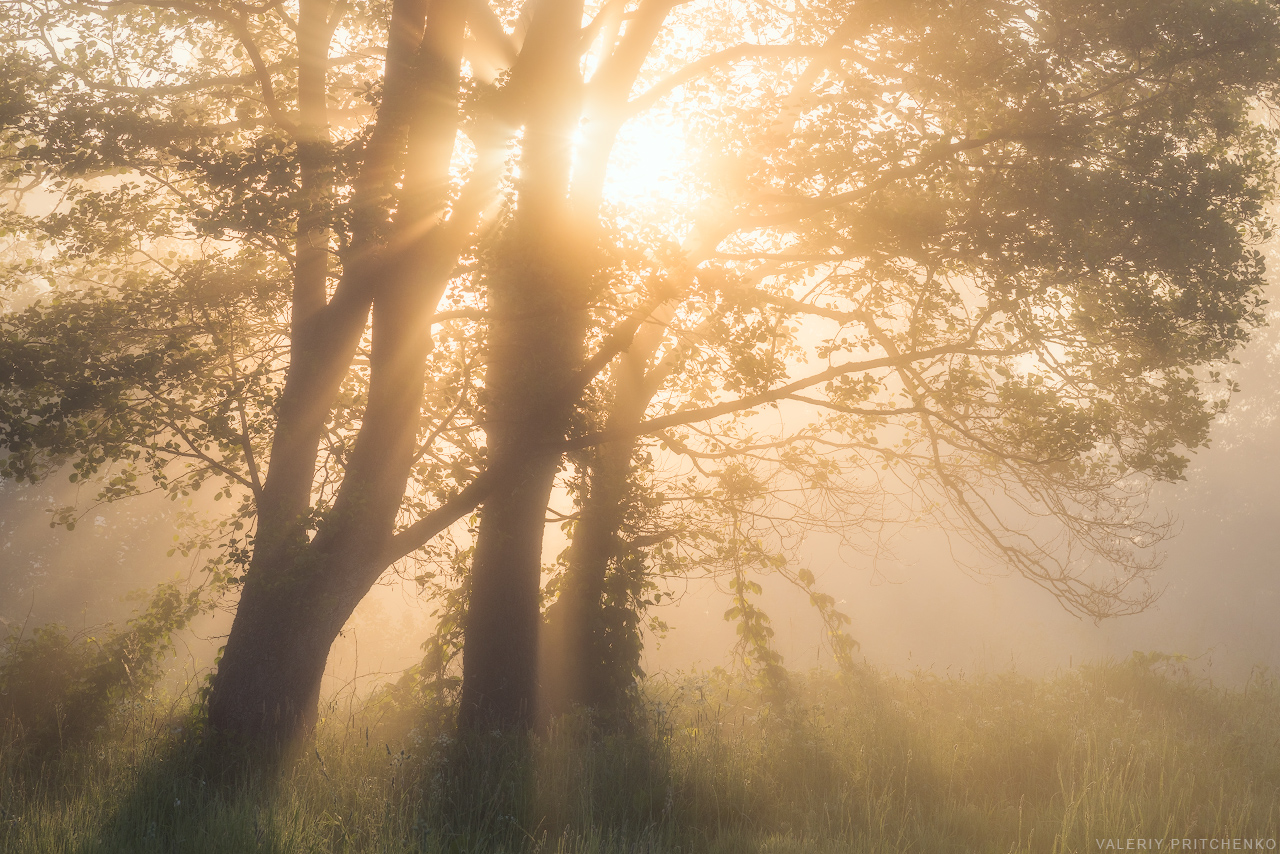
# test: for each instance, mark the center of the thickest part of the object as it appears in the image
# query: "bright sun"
(649, 165)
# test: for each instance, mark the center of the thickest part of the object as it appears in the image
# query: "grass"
(864, 762)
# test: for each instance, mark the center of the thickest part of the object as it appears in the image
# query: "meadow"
(1139, 753)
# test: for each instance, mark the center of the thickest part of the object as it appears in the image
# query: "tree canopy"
(365, 268)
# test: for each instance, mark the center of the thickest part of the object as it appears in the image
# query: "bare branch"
(421, 532)
(706, 413)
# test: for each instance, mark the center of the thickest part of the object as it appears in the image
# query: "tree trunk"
(535, 346)
(583, 665)
(298, 593)
(577, 665)
(267, 687)
(324, 336)
(537, 305)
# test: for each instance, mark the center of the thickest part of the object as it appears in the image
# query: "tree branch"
(728, 56)
(692, 416)
(421, 532)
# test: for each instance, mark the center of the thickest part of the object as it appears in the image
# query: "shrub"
(58, 688)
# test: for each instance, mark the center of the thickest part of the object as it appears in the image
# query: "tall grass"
(865, 762)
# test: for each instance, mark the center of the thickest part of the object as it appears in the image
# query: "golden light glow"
(649, 168)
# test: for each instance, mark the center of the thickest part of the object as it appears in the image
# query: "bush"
(57, 688)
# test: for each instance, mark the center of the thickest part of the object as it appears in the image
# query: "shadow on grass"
(191, 797)
(576, 789)
(862, 763)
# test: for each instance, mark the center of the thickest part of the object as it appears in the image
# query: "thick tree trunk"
(537, 330)
(501, 630)
(537, 305)
(267, 686)
(299, 593)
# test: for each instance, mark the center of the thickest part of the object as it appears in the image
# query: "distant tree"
(989, 250)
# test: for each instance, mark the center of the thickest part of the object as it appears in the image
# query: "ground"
(1130, 756)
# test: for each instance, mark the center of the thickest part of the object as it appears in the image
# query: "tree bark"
(537, 303)
(298, 591)
(580, 666)
(575, 662)
(298, 594)
(324, 336)
(536, 341)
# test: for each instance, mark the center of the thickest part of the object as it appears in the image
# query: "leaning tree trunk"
(268, 683)
(299, 593)
(582, 664)
(577, 665)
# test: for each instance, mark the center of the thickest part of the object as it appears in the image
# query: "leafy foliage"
(973, 263)
(60, 689)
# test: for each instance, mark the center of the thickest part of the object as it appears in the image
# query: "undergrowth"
(58, 689)
(863, 762)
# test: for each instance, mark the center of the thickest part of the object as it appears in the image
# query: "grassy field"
(863, 762)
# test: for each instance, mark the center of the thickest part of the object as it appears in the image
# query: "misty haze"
(639, 426)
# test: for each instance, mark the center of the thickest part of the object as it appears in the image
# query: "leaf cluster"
(58, 689)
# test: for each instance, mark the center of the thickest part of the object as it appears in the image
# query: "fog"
(915, 609)
(1220, 582)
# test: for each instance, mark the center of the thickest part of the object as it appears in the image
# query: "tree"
(1039, 206)
(1012, 234)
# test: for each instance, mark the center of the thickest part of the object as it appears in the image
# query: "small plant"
(58, 688)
